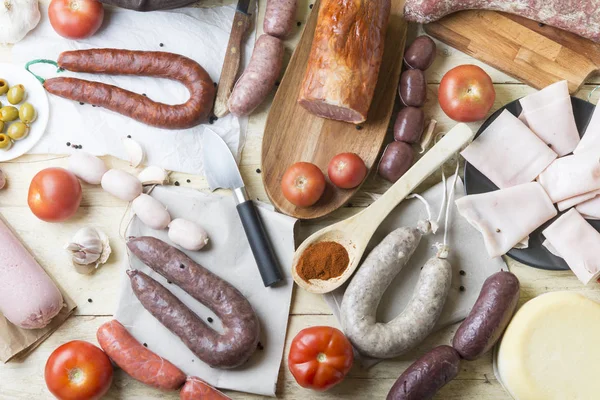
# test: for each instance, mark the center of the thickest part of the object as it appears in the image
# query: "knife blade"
(231, 63)
(222, 171)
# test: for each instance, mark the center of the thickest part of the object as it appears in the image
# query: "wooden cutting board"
(533, 53)
(293, 134)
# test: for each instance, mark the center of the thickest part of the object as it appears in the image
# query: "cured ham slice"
(591, 138)
(575, 200)
(549, 114)
(506, 216)
(571, 176)
(578, 243)
(508, 153)
(590, 209)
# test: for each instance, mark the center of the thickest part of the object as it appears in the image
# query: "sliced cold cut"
(578, 243)
(241, 329)
(581, 18)
(136, 360)
(506, 216)
(359, 305)
(28, 296)
(139, 63)
(490, 316)
(259, 77)
(590, 209)
(427, 375)
(591, 138)
(344, 59)
(571, 176)
(508, 153)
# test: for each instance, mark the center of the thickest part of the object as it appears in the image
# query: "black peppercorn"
(176, 183)
(209, 319)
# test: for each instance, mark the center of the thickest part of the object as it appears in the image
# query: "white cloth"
(467, 253)
(227, 255)
(198, 33)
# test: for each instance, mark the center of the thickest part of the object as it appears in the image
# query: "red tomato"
(347, 170)
(54, 194)
(466, 93)
(303, 184)
(78, 370)
(75, 19)
(320, 357)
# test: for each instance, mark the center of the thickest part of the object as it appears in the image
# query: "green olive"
(17, 131)
(27, 113)
(9, 113)
(3, 87)
(1, 126)
(5, 142)
(16, 94)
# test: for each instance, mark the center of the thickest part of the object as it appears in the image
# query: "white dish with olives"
(24, 111)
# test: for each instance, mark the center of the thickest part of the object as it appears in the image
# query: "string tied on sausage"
(41, 61)
(443, 248)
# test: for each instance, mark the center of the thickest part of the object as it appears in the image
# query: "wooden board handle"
(231, 63)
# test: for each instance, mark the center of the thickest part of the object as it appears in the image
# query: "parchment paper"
(198, 33)
(467, 254)
(17, 342)
(228, 255)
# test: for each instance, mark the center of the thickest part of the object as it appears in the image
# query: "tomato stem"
(76, 376)
(74, 5)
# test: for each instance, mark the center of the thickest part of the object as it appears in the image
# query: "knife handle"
(231, 63)
(268, 266)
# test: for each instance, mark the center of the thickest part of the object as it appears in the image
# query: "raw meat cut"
(344, 60)
(571, 176)
(506, 216)
(580, 17)
(508, 153)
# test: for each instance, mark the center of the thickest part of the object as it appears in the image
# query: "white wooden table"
(96, 296)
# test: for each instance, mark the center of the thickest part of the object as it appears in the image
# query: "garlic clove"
(106, 250)
(84, 269)
(134, 151)
(153, 175)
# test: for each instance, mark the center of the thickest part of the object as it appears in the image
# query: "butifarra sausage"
(136, 360)
(345, 58)
(279, 17)
(241, 328)
(133, 105)
(197, 389)
(581, 17)
(411, 327)
(427, 375)
(258, 78)
(489, 317)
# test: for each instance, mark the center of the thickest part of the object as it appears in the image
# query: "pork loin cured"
(344, 60)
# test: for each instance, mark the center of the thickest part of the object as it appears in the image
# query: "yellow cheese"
(551, 349)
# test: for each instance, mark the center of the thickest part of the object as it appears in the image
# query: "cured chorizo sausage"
(359, 305)
(139, 362)
(240, 324)
(258, 78)
(197, 389)
(133, 105)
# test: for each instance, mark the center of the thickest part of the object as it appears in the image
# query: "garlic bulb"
(153, 175)
(17, 17)
(89, 249)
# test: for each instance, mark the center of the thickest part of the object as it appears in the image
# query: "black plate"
(475, 182)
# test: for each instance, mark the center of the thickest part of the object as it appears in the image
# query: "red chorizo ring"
(133, 105)
(240, 324)
(136, 360)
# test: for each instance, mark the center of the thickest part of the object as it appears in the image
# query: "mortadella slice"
(549, 114)
(28, 297)
(508, 153)
(571, 176)
(590, 209)
(506, 216)
(578, 243)
(591, 138)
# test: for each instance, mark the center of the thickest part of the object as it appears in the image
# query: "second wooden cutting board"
(293, 134)
(533, 53)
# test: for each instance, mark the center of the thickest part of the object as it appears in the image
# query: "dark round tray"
(536, 255)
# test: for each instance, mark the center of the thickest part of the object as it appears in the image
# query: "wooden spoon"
(355, 232)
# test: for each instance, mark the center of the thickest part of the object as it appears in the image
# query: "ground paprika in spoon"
(323, 260)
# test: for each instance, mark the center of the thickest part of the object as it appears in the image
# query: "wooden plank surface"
(23, 380)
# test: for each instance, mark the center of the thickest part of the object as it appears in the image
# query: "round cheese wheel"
(551, 349)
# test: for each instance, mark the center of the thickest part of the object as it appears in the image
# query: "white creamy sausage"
(279, 17)
(121, 184)
(359, 306)
(28, 297)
